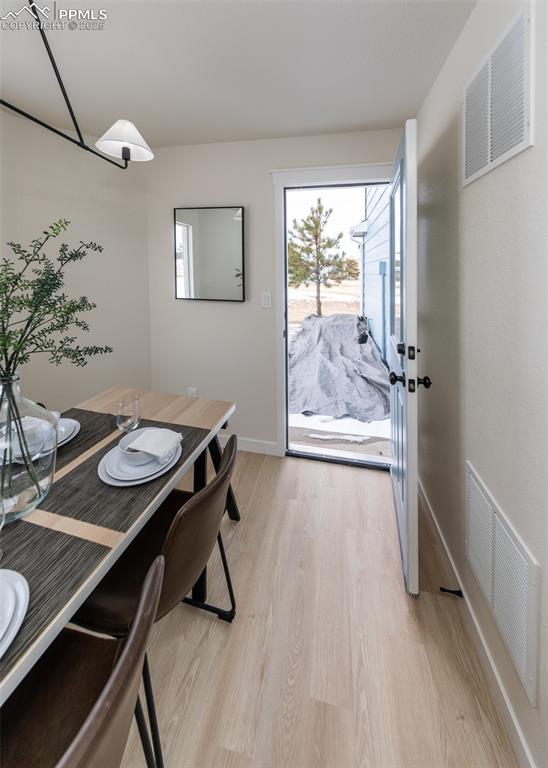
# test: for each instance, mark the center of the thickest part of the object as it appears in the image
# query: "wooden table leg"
(199, 590)
(231, 505)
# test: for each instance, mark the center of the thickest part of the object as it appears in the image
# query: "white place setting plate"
(8, 601)
(21, 589)
(119, 469)
(132, 479)
(67, 429)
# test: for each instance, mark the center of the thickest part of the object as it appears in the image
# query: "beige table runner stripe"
(63, 524)
(86, 454)
(82, 530)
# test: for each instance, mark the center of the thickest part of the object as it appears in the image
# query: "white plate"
(19, 584)
(119, 469)
(7, 606)
(65, 428)
(106, 478)
(72, 426)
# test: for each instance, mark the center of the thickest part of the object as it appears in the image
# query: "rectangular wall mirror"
(209, 253)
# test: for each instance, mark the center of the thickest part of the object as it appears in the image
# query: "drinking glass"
(128, 414)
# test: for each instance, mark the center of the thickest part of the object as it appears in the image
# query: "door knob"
(393, 378)
(426, 382)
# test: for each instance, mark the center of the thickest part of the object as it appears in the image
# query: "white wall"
(44, 178)
(483, 330)
(229, 350)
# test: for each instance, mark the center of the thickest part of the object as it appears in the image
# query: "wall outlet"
(266, 300)
(192, 391)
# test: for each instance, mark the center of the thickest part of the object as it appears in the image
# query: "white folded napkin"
(38, 434)
(160, 443)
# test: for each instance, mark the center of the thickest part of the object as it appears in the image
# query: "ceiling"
(204, 71)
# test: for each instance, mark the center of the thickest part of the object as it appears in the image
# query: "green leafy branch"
(36, 316)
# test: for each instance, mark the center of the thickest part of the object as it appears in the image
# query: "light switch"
(266, 300)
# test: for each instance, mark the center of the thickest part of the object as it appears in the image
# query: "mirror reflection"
(209, 253)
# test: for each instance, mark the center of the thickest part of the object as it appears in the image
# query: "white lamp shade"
(124, 134)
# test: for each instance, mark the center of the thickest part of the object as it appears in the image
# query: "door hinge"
(411, 385)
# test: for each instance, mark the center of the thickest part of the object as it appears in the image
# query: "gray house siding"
(377, 265)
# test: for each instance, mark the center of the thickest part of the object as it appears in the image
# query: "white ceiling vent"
(497, 103)
(509, 578)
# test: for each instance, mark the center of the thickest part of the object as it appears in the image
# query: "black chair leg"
(226, 570)
(153, 720)
(225, 615)
(231, 505)
(199, 591)
(143, 733)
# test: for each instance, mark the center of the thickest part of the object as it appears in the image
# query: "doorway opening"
(337, 311)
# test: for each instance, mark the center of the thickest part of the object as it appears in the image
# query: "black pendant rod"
(80, 142)
(57, 73)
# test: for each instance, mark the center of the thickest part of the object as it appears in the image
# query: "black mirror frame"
(208, 208)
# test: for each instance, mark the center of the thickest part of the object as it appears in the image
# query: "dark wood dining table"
(65, 546)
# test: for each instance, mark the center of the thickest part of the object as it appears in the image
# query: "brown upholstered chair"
(74, 709)
(184, 530)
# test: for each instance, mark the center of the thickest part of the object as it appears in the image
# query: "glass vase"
(28, 447)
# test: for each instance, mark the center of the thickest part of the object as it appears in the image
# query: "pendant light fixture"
(122, 140)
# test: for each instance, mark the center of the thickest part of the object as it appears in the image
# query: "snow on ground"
(345, 426)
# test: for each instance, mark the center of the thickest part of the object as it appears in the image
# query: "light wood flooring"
(329, 663)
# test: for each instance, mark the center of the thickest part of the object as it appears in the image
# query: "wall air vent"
(481, 532)
(508, 575)
(476, 124)
(497, 112)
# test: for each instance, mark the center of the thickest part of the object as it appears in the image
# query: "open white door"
(402, 353)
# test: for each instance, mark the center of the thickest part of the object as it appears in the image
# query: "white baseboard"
(251, 445)
(502, 700)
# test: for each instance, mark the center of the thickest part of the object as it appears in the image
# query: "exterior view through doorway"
(337, 315)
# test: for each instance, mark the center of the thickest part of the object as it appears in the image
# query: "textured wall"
(44, 178)
(484, 328)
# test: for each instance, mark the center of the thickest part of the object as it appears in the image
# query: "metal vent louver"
(509, 578)
(510, 595)
(481, 531)
(497, 104)
(508, 92)
(476, 125)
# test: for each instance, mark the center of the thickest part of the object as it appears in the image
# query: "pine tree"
(312, 255)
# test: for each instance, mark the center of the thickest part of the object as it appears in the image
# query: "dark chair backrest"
(193, 533)
(102, 738)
